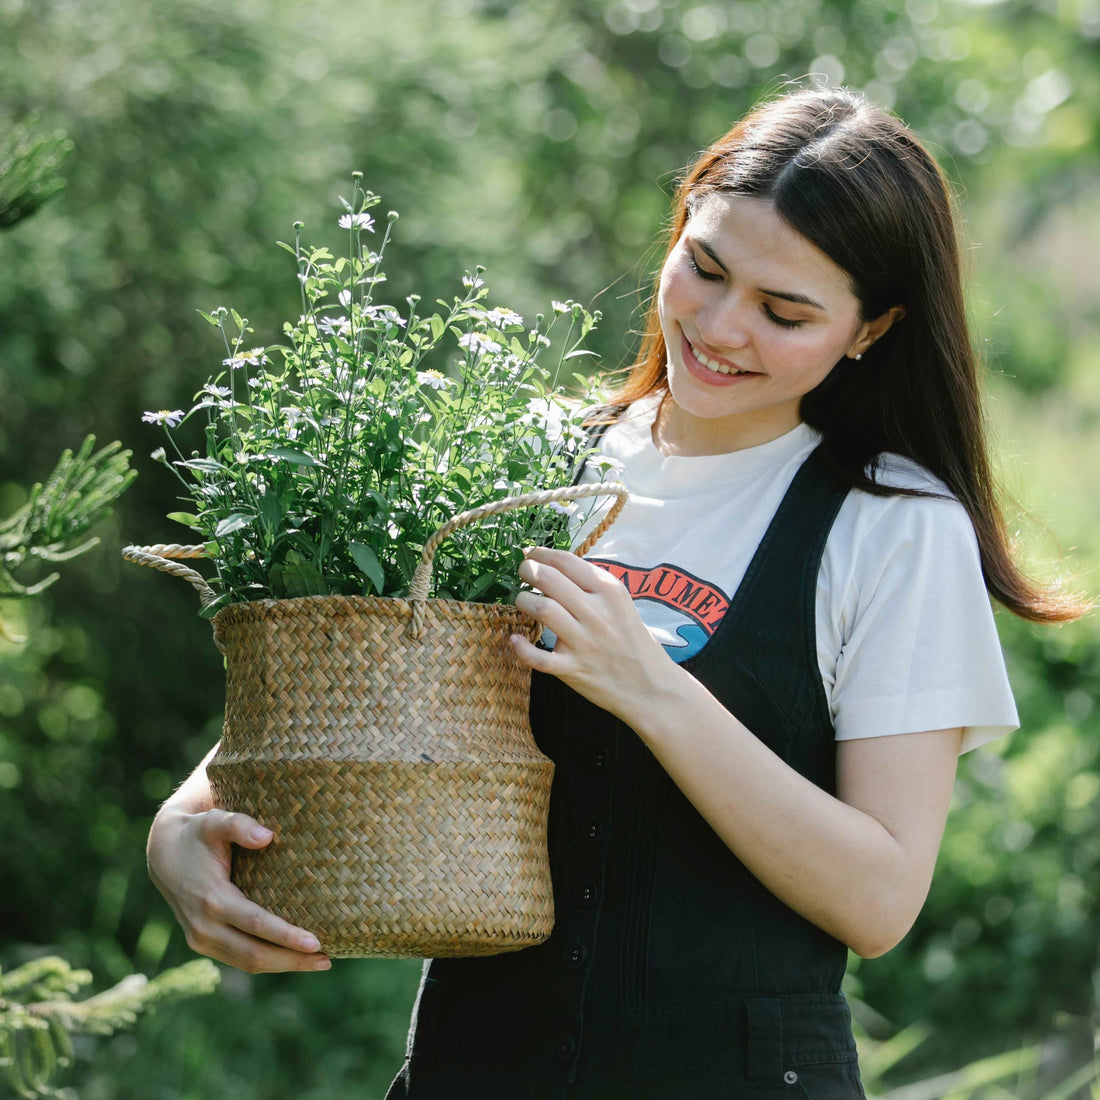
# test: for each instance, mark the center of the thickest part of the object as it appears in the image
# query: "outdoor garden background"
(539, 138)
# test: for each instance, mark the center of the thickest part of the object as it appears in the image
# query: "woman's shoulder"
(920, 528)
(908, 491)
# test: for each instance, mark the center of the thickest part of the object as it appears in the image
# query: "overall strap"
(769, 632)
(782, 576)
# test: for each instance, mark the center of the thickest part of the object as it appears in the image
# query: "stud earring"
(858, 356)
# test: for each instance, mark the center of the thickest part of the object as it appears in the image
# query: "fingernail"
(310, 943)
(260, 833)
(323, 964)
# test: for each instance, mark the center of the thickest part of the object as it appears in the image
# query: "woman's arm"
(190, 854)
(857, 865)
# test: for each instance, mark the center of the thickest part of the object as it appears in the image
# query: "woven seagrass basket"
(386, 743)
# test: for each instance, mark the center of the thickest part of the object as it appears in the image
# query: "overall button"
(567, 1047)
(790, 1077)
(574, 954)
(593, 830)
(585, 893)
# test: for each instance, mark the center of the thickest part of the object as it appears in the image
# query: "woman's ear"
(873, 331)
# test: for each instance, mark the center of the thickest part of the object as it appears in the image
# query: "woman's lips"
(705, 374)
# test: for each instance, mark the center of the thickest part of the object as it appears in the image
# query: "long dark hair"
(859, 185)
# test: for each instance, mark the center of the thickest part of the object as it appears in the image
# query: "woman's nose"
(723, 322)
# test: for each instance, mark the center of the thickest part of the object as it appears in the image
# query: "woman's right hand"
(190, 857)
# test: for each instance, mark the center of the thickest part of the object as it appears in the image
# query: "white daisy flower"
(334, 326)
(433, 378)
(606, 465)
(478, 343)
(502, 316)
(385, 313)
(356, 221)
(169, 417)
(254, 357)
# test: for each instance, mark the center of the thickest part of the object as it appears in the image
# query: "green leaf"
(186, 518)
(298, 458)
(212, 608)
(407, 560)
(460, 475)
(206, 465)
(299, 577)
(368, 564)
(438, 327)
(234, 522)
(271, 510)
(483, 582)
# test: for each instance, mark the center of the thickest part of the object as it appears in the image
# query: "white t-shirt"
(906, 640)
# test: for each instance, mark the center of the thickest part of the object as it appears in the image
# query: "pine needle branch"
(29, 164)
(38, 1015)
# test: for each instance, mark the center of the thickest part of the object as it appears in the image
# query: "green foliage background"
(538, 138)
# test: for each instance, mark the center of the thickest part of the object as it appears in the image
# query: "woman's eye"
(785, 322)
(711, 275)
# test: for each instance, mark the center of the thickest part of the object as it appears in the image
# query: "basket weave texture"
(400, 777)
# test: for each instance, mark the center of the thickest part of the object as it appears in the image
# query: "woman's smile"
(714, 371)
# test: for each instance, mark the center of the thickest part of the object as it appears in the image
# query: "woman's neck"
(679, 433)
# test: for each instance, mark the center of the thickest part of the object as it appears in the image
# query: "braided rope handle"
(163, 556)
(158, 557)
(422, 578)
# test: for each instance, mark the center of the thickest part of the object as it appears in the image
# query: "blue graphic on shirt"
(694, 636)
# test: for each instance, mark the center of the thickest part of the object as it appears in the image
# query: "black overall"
(672, 972)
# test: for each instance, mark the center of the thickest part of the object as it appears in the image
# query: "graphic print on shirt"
(681, 610)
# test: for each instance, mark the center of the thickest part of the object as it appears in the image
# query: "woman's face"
(744, 293)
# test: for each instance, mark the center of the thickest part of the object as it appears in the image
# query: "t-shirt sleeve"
(918, 646)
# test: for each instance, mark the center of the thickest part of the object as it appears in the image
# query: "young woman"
(757, 686)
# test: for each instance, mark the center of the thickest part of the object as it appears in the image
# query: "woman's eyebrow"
(786, 295)
(792, 296)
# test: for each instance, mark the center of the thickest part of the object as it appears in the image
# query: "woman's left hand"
(604, 651)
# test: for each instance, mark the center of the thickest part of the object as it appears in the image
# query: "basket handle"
(158, 557)
(422, 578)
(163, 556)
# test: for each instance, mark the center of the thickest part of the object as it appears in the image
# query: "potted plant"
(380, 732)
